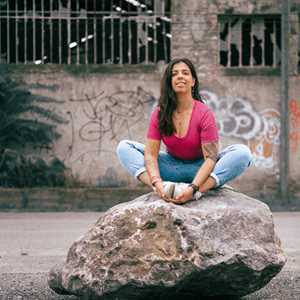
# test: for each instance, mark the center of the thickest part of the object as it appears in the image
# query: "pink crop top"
(202, 129)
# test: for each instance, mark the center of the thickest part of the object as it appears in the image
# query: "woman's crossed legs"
(232, 162)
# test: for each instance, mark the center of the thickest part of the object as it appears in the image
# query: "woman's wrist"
(194, 187)
(155, 179)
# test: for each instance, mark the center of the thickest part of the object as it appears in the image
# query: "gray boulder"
(223, 244)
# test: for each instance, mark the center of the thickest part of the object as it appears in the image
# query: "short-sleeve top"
(202, 129)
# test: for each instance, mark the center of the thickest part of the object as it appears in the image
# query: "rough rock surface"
(222, 244)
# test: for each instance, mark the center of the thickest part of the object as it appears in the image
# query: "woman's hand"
(185, 196)
(159, 189)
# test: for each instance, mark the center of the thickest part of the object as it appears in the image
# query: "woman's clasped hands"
(177, 193)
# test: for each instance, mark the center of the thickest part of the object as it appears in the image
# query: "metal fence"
(253, 41)
(85, 31)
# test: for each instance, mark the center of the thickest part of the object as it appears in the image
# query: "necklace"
(181, 120)
(183, 112)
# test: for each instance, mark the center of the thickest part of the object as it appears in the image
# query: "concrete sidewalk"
(31, 243)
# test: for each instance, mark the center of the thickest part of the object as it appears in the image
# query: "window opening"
(85, 31)
(250, 41)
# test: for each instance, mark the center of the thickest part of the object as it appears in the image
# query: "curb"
(45, 199)
(64, 199)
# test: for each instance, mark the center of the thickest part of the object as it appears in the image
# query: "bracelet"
(155, 180)
(194, 187)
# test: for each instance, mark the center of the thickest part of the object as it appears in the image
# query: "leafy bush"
(20, 171)
(26, 124)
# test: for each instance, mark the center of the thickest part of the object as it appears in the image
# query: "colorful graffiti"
(265, 146)
(294, 110)
(237, 118)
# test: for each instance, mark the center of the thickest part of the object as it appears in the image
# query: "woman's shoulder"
(154, 111)
(201, 107)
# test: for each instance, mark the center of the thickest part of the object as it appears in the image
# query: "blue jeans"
(232, 162)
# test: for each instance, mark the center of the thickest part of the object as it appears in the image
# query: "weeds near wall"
(26, 127)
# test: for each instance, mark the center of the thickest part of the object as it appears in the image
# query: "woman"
(188, 129)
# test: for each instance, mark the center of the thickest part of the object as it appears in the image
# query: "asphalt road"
(31, 243)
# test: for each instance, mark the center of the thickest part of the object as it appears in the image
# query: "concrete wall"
(101, 108)
(111, 104)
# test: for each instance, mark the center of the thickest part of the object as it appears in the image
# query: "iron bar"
(165, 56)
(69, 38)
(111, 40)
(129, 42)
(146, 41)
(251, 44)
(25, 32)
(34, 32)
(16, 36)
(95, 34)
(103, 39)
(155, 43)
(138, 45)
(43, 33)
(77, 34)
(86, 34)
(121, 41)
(240, 38)
(274, 65)
(0, 39)
(51, 34)
(8, 35)
(263, 43)
(59, 36)
(229, 43)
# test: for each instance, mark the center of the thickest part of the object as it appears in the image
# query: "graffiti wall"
(260, 130)
(105, 119)
(100, 111)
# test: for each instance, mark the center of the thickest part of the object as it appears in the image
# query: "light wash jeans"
(232, 162)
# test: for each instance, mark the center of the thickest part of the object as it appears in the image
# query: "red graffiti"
(294, 135)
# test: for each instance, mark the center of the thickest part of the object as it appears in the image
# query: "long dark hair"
(167, 101)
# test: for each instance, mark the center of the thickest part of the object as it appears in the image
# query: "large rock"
(223, 244)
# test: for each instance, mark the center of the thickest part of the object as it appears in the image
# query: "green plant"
(26, 125)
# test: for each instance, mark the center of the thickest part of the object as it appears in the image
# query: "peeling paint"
(294, 135)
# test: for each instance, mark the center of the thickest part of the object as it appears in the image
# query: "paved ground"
(31, 243)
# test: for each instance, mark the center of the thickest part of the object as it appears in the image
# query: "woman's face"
(182, 79)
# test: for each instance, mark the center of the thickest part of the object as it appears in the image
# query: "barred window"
(250, 41)
(85, 31)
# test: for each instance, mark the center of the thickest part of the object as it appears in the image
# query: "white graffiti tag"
(235, 116)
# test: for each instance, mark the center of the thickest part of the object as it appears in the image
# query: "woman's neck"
(184, 102)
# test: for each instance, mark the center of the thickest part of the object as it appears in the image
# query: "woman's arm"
(151, 163)
(151, 154)
(210, 154)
